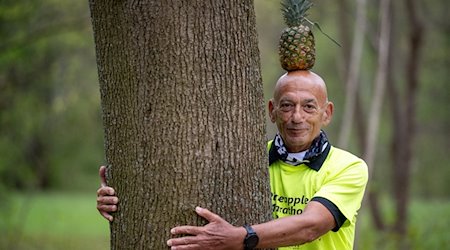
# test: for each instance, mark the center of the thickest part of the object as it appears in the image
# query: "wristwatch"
(251, 239)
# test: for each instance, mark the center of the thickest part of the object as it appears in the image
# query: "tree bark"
(183, 114)
(345, 36)
(384, 43)
(353, 74)
(379, 85)
(404, 120)
(407, 127)
(381, 79)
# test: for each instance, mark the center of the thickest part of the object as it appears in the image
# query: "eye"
(286, 106)
(309, 108)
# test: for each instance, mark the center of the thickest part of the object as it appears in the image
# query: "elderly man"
(316, 188)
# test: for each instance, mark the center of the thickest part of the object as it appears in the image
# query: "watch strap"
(251, 239)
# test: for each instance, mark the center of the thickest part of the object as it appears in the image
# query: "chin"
(295, 144)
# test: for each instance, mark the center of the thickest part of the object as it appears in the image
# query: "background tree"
(353, 72)
(403, 110)
(183, 114)
(404, 116)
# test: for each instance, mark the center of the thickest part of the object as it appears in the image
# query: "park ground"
(70, 221)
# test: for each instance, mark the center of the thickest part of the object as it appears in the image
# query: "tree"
(352, 83)
(404, 116)
(403, 98)
(183, 114)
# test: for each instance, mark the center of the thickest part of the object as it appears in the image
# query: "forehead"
(303, 91)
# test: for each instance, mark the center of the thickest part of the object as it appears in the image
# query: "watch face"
(252, 241)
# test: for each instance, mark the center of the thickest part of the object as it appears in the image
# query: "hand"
(217, 234)
(106, 199)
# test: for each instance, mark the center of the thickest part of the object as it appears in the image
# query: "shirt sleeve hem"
(339, 217)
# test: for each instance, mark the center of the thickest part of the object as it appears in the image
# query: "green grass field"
(70, 221)
(53, 221)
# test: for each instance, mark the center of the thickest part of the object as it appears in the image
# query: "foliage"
(48, 94)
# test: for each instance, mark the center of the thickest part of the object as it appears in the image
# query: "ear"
(271, 110)
(328, 114)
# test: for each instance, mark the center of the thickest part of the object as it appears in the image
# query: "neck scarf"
(319, 145)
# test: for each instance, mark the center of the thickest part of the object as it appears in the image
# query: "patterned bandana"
(318, 146)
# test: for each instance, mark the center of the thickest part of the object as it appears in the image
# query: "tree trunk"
(407, 126)
(379, 85)
(384, 43)
(345, 36)
(183, 113)
(353, 73)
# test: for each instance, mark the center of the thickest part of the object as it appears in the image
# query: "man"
(317, 189)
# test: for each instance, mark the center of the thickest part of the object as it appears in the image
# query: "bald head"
(305, 79)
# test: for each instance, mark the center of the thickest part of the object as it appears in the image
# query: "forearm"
(285, 231)
(296, 229)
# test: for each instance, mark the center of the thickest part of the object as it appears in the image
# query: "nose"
(298, 115)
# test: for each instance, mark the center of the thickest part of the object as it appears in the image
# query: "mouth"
(297, 130)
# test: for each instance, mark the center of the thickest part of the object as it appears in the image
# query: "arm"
(315, 221)
(106, 199)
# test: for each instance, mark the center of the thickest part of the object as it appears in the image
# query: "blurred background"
(388, 81)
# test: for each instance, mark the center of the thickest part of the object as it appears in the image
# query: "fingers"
(208, 215)
(187, 247)
(102, 174)
(187, 242)
(105, 208)
(191, 230)
(107, 216)
(107, 200)
(104, 191)
(107, 205)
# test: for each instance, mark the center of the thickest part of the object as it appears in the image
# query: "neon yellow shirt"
(341, 179)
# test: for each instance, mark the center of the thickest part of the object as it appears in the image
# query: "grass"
(428, 228)
(64, 220)
(53, 221)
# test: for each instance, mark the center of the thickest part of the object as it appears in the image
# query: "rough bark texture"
(183, 114)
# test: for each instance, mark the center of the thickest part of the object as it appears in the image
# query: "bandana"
(313, 157)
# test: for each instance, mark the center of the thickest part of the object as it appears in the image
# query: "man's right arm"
(106, 197)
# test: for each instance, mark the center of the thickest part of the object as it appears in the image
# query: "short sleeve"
(344, 186)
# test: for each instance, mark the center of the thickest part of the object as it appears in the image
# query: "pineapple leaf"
(316, 24)
(294, 11)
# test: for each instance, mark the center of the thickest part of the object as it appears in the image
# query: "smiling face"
(300, 108)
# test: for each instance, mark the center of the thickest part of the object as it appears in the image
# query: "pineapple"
(297, 47)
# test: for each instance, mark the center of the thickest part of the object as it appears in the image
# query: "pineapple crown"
(294, 11)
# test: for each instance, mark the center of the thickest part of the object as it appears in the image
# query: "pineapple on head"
(297, 47)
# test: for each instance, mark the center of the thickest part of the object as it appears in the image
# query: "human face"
(300, 109)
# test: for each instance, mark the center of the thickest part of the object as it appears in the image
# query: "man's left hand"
(217, 234)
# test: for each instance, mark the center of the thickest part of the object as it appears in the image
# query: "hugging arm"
(288, 231)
